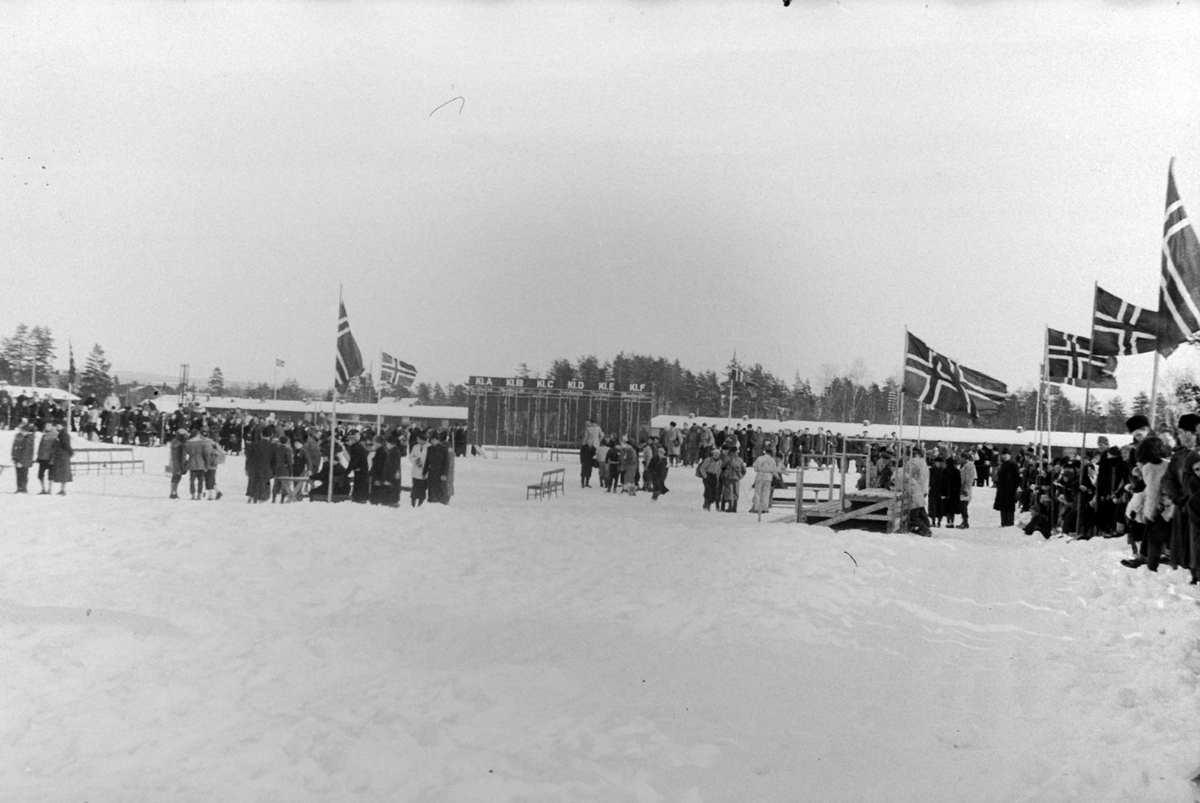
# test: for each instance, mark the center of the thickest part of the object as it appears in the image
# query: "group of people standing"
(623, 468)
(367, 466)
(51, 451)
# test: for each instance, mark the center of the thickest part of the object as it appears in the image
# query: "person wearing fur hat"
(1154, 510)
(1138, 427)
(1008, 478)
(1182, 483)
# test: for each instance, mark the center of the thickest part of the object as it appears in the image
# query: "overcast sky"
(191, 182)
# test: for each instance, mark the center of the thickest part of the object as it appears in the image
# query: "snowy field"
(588, 647)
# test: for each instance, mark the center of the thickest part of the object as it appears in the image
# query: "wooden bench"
(293, 489)
(86, 458)
(552, 482)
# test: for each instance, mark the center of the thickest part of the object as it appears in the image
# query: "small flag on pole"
(278, 363)
(1121, 327)
(1179, 289)
(940, 382)
(1071, 359)
(349, 358)
(396, 373)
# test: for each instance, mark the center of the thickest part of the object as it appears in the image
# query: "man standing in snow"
(22, 456)
(359, 469)
(765, 471)
(916, 476)
(437, 467)
(672, 439)
(1008, 478)
(416, 456)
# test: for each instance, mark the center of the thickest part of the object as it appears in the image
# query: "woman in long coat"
(60, 460)
(937, 472)
(967, 481)
(259, 472)
(951, 490)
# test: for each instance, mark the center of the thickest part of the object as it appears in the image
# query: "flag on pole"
(349, 358)
(396, 373)
(1122, 328)
(1179, 289)
(610, 375)
(278, 363)
(940, 382)
(1071, 360)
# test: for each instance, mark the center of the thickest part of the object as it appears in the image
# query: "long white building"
(928, 434)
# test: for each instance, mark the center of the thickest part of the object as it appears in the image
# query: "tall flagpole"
(1154, 389)
(333, 414)
(1037, 410)
(901, 523)
(1087, 398)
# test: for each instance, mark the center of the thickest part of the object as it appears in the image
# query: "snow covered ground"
(588, 647)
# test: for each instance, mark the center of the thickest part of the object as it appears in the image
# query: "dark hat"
(1005, 451)
(1189, 421)
(1137, 422)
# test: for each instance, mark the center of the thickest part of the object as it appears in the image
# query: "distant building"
(403, 411)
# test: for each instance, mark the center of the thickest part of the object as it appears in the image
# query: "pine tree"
(1141, 404)
(41, 354)
(425, 393)
(14, 354)
(1115, 415)
(291, 390)
(216, 383)
(95, 380)
(438, 396)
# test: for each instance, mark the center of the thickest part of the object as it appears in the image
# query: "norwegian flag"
(1070, 360)
(940, 382)
(396, 373)
(1122, 328)
(349, 358)
(1179, 289)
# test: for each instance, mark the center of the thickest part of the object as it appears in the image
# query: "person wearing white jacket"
(968, 481)
(417, 457)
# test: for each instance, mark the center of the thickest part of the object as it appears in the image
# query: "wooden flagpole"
(1037, 410)
(1154, 390)
(1087, 398)
(333, 413)
(898, 487)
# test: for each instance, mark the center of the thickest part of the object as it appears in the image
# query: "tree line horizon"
(842, 395)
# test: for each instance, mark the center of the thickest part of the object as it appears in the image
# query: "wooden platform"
(872, 505)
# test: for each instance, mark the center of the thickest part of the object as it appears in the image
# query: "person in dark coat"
(437, 466)
(260, 455)
(951, 490)
(281, 466)
(936, 472)
(60, 459)
(1110, 480)
(385, 472)
(359, 470)
(23, 455)
(587, 456)
(1008, 479)
(1182, 483)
